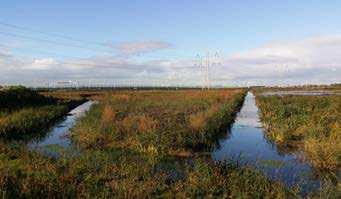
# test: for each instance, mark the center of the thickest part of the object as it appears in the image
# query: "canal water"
(57, 138)
(246, 143)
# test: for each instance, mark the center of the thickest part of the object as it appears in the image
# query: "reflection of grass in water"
(272, 163)
(54, 148)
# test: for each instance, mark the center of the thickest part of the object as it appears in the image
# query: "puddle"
(57, 138)
(246, 143)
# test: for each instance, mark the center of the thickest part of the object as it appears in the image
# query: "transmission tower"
(205, 64)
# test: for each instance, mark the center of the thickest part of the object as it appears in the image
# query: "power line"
(40, 51)
(112, 65)
(56, 42)
(80, 59)
(52, 34)
(49, 41)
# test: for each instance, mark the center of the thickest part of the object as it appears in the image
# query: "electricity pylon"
(205, 63)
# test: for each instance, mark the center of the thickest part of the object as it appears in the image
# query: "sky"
(163, 42)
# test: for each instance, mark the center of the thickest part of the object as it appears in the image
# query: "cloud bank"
(313, 60)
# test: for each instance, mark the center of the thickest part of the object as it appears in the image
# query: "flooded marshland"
(245, 143)
(159, 138)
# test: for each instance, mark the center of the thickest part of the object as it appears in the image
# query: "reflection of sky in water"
(246, 143)
(57, 137)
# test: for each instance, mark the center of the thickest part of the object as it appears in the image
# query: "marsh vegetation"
(307, 124)
(137, 144)
(140, 145)
(311, 123)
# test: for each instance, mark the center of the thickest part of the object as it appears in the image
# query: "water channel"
(246, 143)
(58, 136)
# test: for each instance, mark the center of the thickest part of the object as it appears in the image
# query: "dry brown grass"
(129, 124)
(108, 116)
(123, 97)
(325, 152)
(146, 124)
(197, 121)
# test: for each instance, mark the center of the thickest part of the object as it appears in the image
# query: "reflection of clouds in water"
(58, 135)
(248, 115)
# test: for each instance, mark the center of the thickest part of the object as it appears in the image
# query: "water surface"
(246, 143)
(58, 136)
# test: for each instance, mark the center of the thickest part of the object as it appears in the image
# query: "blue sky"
(178, 31)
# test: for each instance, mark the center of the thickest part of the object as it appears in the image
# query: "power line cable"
(48, 41)
(52, 34)
(79, 58)
(112, 65)
(40, 51)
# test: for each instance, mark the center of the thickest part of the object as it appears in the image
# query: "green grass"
(162, 121)
(24, 112)
(311, 123)
(16, 98)
(127, 174)
(29, 120)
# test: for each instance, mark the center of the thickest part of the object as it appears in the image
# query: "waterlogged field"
(311, 124)
(138, 145)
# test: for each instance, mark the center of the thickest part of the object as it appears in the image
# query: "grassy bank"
(26, 121)
(309, 123)
(24, 113)
(141, 145)
(16, 98)
(161, 121)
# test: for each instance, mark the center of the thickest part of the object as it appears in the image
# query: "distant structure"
(205, 64)
(67, 84)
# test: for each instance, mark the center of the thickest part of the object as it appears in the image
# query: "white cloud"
(310, 60)
(41, 64)
(134, 48)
